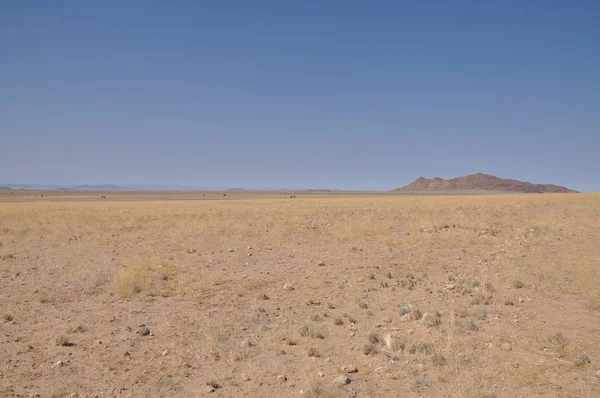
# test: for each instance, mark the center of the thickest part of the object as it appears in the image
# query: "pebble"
(506, 347)
(349, 369)
(342, 380)
(282, 378)
(321, 374)
(321, 263)
(288, 286)
(144, 331)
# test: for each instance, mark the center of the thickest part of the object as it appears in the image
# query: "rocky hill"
(480, 182)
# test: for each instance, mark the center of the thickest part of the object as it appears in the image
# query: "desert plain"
(321, 295)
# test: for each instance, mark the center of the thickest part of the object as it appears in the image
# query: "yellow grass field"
(385, 296)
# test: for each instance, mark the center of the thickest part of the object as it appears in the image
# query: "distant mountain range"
(480, 182)
(101, 187)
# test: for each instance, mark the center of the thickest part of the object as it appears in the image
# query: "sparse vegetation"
(308, 331)
(481, 313)
(558, 340)
(518, 284)
(133, 278)
(369, 348)
(432, 319)
(313, 352)
(69, 275)
(318, 390)
(472, 326)
(262, 296)
(438, 360)
(418, 346)
(373, 338)
(62, 340)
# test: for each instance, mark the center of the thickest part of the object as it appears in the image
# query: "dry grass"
(134, 278)
(113, 265)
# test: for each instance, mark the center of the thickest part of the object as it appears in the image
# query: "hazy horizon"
(278, 94)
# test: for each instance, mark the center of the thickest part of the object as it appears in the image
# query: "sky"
(298, 94)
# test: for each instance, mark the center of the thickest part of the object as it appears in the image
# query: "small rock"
(406, 317)
(321, 374)
(247, 343)
(281, 378)
(245, 377)
(230, 250)
(321, 263)
(213, 384)
(59, 364)
(288, 286)
(144, 331)
(126, 354)
(342, 380)
(506, 347)
(210, 389)
(349, 369)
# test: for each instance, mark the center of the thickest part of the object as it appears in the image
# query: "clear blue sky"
(314, 94)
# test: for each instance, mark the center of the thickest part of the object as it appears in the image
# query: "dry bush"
(134, 278)
(317, 389)
(308, 331)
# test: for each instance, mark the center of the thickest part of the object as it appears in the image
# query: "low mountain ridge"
(480, 181)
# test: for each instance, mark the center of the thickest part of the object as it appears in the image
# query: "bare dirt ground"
(317, 296)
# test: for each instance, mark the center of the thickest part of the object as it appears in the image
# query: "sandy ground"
(322, 295)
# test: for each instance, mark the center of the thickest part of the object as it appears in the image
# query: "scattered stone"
(422, 384)
(213, 384)
(144, 331)
(288, 286)
(342, 380)
(281, 378)
(349, 369)
(406, 318)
